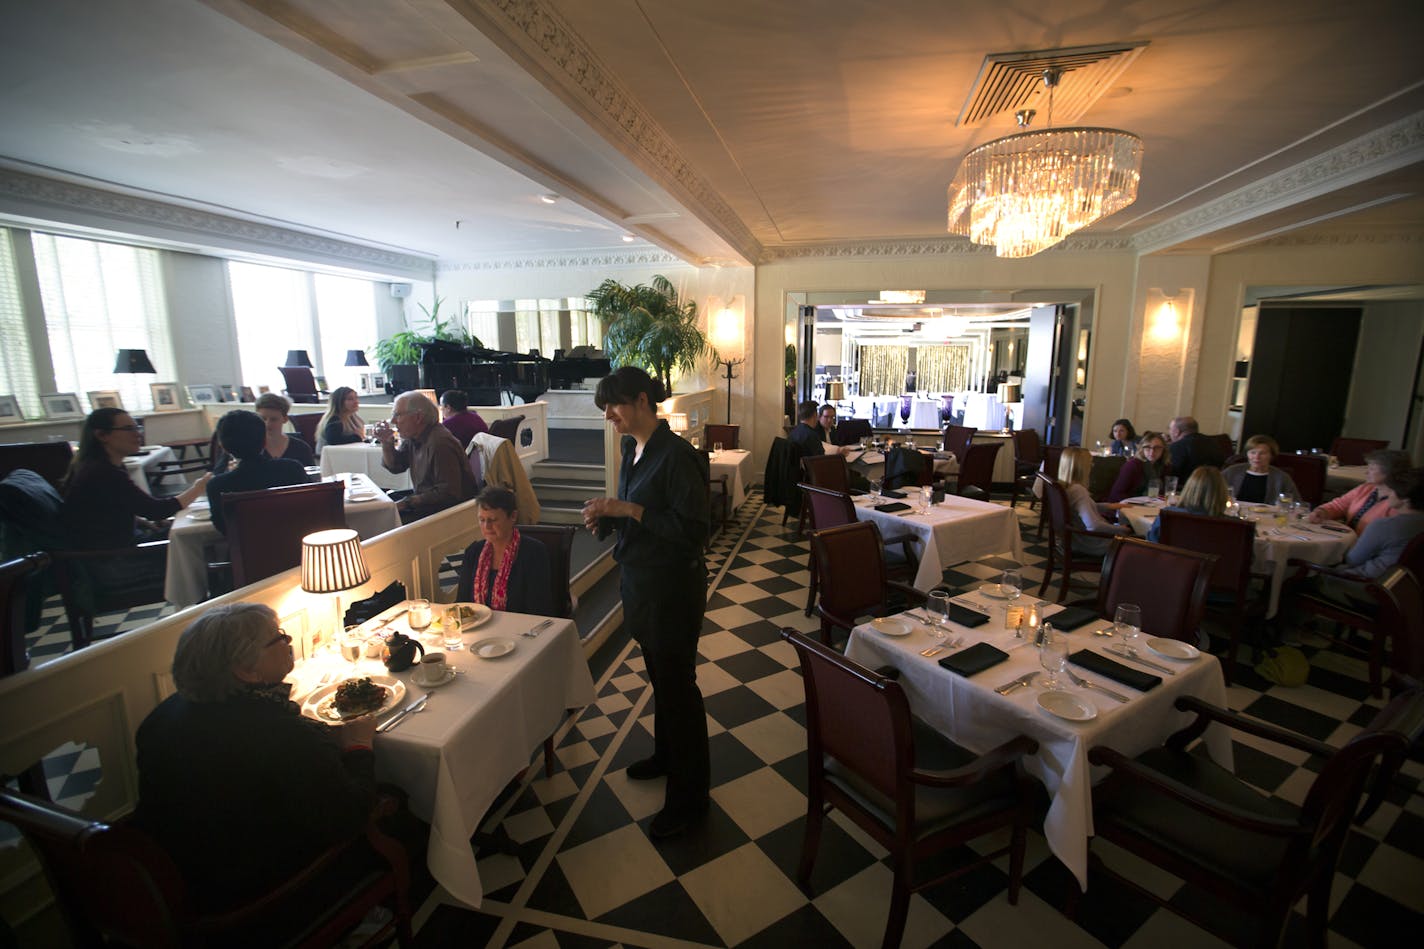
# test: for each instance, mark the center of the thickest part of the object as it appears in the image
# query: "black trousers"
(662, 609)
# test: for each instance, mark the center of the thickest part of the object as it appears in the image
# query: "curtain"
(942, 368)
(883, 368)
(17, 370)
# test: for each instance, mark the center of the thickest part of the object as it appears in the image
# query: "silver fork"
(534, 633)
(1085, 684)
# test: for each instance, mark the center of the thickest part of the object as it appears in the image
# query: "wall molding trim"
(568, 260)
(928, 247)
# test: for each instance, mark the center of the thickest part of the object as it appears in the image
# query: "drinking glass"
(716, 448)
(1284, 500)
(1011, 584)
(1171, 484)
(1053, 656)
(937, 608)
(1098, 448)
(925, 491)
(352, 644)
(450, 628)
(1301, 510)
(875, 488)
(1127, 622)
(1154, 489)
(419, 615)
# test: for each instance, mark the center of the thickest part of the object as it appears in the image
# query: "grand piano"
(487, 375)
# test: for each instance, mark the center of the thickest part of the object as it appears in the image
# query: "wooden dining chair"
(1169, 583)
(300, 385)
(49, 460)
(824, 471)
(1028, 456)
(1180, 811)
(726, 434)
(832, 509)
(507, 428)
(850, 431)
(559, 539)
(17, 577)
(1352, 451)
(976, 470)
(1233, 542)
(957, 439)
(915, 792)
(1062, 529)
(1308, 472)
(851, 560)
(306, 425)
(265, 528)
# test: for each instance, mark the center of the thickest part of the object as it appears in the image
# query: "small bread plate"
(1261, 509)
(1066, 705)
(492, 647)
(472, 614)
(321, 704)
(1144, 499)
(1173, 649)
(891, 626)
(203, 515)
(995, 590)
(448, 677)
(361, 494)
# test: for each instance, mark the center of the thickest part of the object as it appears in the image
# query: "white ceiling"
(727, 131)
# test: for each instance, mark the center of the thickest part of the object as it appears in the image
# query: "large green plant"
(650, 327)
(403, 348)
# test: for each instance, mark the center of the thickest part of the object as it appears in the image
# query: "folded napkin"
(1071, 618)
(966, 617)
(975, 659)
(1103, 666)
(892, 507)
(893, 494)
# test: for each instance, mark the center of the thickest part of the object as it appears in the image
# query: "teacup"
(431, 669)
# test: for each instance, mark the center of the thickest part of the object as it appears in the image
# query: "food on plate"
(465, 612)
(358, 696)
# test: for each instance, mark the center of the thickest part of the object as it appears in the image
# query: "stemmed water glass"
(1011, 584)
(1053, 656)
(352, 643)
(937, 609)
(1127, 622)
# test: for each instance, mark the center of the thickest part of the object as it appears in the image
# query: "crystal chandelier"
(1025, 192)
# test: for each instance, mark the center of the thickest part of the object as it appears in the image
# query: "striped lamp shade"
(332, 561)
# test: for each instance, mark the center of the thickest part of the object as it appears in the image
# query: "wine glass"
(716, 448)
(1127, 622)
(937, 608)
(352, 644)
(1011, 584)
(1053, 656)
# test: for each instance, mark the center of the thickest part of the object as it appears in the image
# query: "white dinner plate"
(481, 616)
(1173, 649)
(1144, 499)
(363, 494)
(1066, 705)
(891, 626)
(1262, 509)
(492, 647)
(321, 704)
(995, 590)
(446, 679)
(200, 515)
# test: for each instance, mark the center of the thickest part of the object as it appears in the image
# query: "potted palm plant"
(651, 327)
(403, 348)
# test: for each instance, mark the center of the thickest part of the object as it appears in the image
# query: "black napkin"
(975, 659)
(1071, 618)
(893, 494)
(1103, 666)
(965, 616)
(892, 507)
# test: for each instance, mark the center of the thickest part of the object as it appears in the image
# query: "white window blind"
(100, 298)
(17, 369)
(272, 306)
(346, 319)
(482, 320)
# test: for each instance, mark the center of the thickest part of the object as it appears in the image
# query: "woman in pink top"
(1361, 506)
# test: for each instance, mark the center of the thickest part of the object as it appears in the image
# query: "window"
(482, 320)
(585, 326)
(17, 369)
(100, 298)
(346, 320)
(272, 307)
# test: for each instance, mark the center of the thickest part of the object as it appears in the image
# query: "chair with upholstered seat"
(16, 577)
(265, 528)
(1308, 472)
(957, 439)
(300, 385)
(976, 470)
(824, 471)
(1062, 529)
(915, 792)
(1233, 541)
(727, 435)
(850, 431)
(306, 425)
(907, 468)
(1169, 583)
(851, 561)
(49, 460)
(507, 428)
(559, 539)
(832, 509)
(1028, 456)
(1352, 451)
(114, 884)
(1180, 811)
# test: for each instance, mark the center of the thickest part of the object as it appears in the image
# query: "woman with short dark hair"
(1124, 438)
(243, 435)
(504, 570)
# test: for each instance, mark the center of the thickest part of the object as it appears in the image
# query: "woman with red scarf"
(504, 571)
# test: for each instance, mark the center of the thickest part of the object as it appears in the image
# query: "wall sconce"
(1166, 323)
(727, 338)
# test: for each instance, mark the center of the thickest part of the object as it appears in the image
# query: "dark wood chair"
(114, 884)
(15, 579)
(851, 561)
(1401, 610)
(1308, 473)
(911, 789)
(265, 528)
(1169, 583)
(1028, 456)
(1352, 451)
(559, 538)
(1062, 528)
(832, 509)
(824, 471)
(507, 428)
(726, 434)
(185, 471)
(300, 385)
(1052, 455)
(49, 460)
(1226, 444)
(957, 439)
(976, 470)
(719, 499)
(851, 430)
(306, 425)
(907, 468)
(85, 597)
(1233, 542)
(1200, 822)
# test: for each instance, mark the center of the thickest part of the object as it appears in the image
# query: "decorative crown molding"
(935, 247)
(576, 260)
(1375, 153)
(68, 202)
(1335, 240)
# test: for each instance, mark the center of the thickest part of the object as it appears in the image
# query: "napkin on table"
(1103, 666)
(975, 659)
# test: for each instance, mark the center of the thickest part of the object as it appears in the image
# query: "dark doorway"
(1300, 374)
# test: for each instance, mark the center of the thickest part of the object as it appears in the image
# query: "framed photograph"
(229, 394)
(320, 383)
(263, 390)
(105, 399)
(10, 413)
(58, 405)
(247, 395)
(165, 396)
(204, 393)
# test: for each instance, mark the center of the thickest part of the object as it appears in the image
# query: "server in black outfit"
(661, 515)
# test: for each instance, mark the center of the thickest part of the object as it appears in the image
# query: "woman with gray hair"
(234, 783)
(1360, 506)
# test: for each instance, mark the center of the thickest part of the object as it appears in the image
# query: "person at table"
(273, 410)
(1124, 438)
(1257, 480)
(455, 415)
(438, 468)
(1138, 472)
(1205, 493)
(1362, 505)
(237, 786)
(243, 436)
(504, 570)
(102, 506)
(806, 435)
(660, 516)
(1384, 540)
(1189, 447)
(1074, 468)
(341, 425)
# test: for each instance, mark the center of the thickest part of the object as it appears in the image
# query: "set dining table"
(365, 459)
(507, 690)
(950, 532)
(138, 467)
(870, 461)
(983, 710)
(736, 465)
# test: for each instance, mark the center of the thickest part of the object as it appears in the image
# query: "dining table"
(362, 458)
(1340, 479)
(369, 511)
(1276, 543)
(736, 465)
(140, 466)
(870, 461)
(950, 532)
(981, 711)
(507, 690)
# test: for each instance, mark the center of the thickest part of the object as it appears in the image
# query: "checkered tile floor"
(584, 873)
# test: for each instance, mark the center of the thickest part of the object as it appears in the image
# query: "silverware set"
(1128, 652)
(1082, 683)
(1018, 683)
(400, 716)
(534, 633)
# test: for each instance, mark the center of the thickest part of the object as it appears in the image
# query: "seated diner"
(1074, 469)
(439, 470)
(274, 410)
(1205, 493)
(242, 435)
(341, 425)
(1257, 480)
(1135, 478)
(1362, 505)
(505, 570)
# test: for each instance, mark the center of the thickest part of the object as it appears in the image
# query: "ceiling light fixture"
(548, 198)
(628, 238)
(1025, 192)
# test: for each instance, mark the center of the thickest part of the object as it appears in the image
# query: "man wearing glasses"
(438, 469)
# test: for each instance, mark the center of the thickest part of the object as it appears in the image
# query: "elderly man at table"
(1361, 506)
(438, 468)
(1190, 448)
(243, 435)
(455, 415)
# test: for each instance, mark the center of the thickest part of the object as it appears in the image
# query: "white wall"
(201, 319)
(1386, 359)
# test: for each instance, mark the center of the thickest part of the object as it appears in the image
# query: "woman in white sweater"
(1073, 470)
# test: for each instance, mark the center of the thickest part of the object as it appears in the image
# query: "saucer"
(444, 680)
(1066, 705)
(492, 647)
(890, 626)
(200, 515)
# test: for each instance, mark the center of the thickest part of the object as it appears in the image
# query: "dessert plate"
(891, 626)
(492, 647)
(1066, 705)
(1173, 649)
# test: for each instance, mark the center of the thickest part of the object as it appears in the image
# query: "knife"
(1146, 662)
(398, 717)
(1022, 680)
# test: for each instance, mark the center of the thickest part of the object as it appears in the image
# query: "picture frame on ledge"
(229, 394)
(165, 396)
(61, 405)
(10, 413)
(105, 399)
(204, 393)
(247, 395)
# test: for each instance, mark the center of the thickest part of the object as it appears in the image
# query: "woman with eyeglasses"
(102, 503)
(236, 785)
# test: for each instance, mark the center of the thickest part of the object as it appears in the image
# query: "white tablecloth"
(982, 410)
(475, 734)
(973, 715)
(954, 531)
(186, 581)
(1274, 545)
(924, 413)
(362, 458)
(737, 466)
(138, 466)
(871, 463)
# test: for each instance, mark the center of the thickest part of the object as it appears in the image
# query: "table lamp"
(677, 421)
(332, 562)
(133, 360)
(356, 357)
(298, 357)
